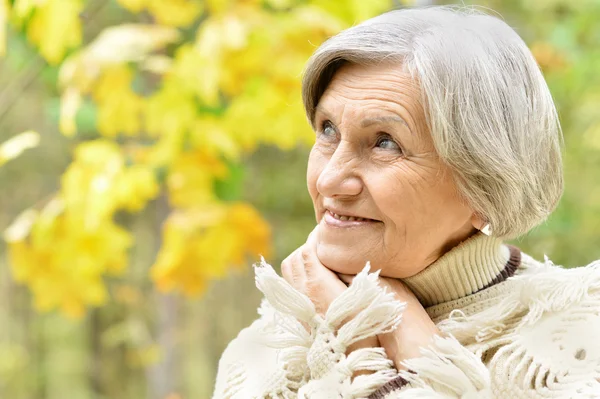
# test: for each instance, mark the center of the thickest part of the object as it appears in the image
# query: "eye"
(386, 142)
(327, 130)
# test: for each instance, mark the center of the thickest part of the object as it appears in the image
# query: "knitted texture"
(532, 336)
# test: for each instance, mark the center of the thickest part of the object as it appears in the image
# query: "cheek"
(410, 198)
(442, 198)
(395, 192)
(313, 171)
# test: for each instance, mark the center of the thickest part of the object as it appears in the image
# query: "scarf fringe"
(375, 311)
(281, 295)
(447, 367)
(313, 358)
(285, 309)
(364, 385)
(363, 310)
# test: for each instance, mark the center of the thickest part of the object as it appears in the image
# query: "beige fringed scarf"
(534, 335)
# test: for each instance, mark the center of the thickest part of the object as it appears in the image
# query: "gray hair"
(487, 105)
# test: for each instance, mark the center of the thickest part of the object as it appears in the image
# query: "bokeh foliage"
(173, 144)
(178, 95)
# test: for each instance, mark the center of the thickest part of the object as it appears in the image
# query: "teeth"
(348, 218)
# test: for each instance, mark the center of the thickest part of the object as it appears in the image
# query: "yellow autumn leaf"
(193, 72)
(88, 182)
(129, 42)
(268, 114)
(133, 5)
(257, 232)
(4, 11)
(136, 187)
(191, 179)
(163, 152)
(215, 140)
(363, 10)
(215, 7)
(62, 260)
(98, 183)
(218, 6)
(200, 244)
(216, 40)
(119, 108)
(21, 260)
(178, 13)
(280, 4)
(114, 46)
(353, 11)
(55, 28)
(15, 146)
(121, 115)
(233, 86)
(21, 9)
(170, 111)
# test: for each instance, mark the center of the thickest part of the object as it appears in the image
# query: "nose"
(339, 178)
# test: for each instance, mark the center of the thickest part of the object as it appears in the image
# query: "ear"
(478, 221)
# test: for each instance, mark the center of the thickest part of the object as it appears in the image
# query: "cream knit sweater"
(535, 335)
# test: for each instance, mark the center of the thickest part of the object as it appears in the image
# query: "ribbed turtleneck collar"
(467, 268)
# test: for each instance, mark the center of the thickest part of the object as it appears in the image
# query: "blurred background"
(150, 150)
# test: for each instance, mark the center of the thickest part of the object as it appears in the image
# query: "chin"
(341, 260)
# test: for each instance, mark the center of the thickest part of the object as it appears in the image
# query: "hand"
(416, 330)
(303, 270)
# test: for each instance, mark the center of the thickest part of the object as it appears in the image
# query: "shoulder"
(537, 291)
(543, 295)
(555, 318)
(551, 287)
(539, 335)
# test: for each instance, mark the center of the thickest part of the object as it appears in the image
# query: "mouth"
(340, 220)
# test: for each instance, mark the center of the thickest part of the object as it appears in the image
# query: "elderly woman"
(436, 139)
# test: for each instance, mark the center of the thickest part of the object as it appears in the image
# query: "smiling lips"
(334, 219)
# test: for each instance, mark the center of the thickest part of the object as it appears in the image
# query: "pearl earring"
(487, 230)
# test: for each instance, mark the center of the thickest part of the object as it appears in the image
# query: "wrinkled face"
(379, 191)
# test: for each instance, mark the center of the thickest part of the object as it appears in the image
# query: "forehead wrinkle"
(319, 109)
(335, 97)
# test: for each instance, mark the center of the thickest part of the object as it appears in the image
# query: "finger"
(299, 271)
(314, 268)
(289, 268)
(312, 264)
(310, 261)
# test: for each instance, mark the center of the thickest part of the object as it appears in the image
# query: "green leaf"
(231, 188)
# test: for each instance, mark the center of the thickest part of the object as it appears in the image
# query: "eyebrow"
(383, 119)
(370, 121)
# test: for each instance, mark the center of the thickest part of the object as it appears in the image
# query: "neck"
(471, 266)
